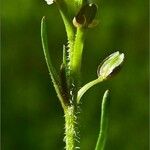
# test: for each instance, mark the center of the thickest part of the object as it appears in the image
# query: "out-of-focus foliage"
(32, 117)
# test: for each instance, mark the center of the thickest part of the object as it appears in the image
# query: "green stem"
(87, 87)
(70, 132)
(76, 57)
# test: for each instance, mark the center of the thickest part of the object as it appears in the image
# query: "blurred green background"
(32, 117)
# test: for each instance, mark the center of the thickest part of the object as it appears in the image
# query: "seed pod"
(110, 65)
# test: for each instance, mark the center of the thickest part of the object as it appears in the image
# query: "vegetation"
(67, 81)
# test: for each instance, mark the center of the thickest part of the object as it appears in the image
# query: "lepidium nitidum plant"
(78, 16)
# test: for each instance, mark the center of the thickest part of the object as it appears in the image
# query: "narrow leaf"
(52, 71)
(104, 122)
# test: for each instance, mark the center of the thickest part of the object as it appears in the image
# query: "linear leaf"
(104, 122)
(51, 69)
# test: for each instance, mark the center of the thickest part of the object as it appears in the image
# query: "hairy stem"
(70, 132)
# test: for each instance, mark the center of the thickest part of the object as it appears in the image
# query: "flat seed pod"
(110, 64)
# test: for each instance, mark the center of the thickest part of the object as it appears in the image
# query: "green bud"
(110, 65)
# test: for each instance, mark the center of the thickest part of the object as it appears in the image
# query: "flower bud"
(110, 64)
(86, 15)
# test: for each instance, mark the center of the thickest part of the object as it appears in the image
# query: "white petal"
(49, 2)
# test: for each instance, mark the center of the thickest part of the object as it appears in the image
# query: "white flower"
(49, 2)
